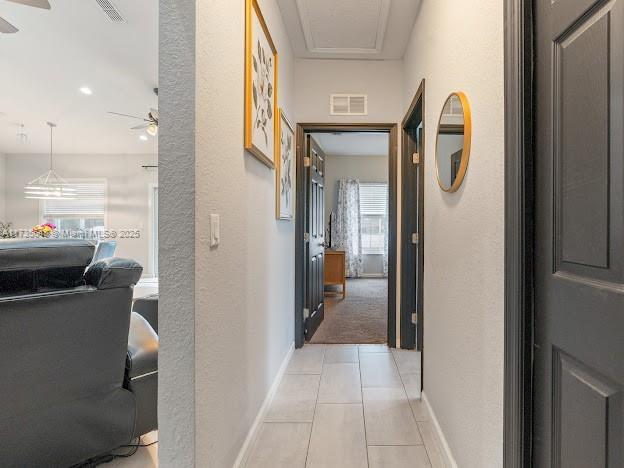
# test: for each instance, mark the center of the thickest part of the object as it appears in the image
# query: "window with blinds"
(81, 217)
(374, 216)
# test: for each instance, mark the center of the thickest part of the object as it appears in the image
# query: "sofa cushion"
(30, 265)
(113, 272)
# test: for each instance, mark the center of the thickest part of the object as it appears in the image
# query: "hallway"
(348, 406)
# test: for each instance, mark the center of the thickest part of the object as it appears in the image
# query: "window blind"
(90, 202)
(373, 199)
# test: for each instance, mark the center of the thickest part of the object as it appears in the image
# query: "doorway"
(352, 195)
(412, 222)
(313, 242)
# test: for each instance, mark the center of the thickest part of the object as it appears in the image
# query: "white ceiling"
(349, 29)
(353, 143)
(72, 45)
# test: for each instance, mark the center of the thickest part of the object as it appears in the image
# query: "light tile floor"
(348, 406)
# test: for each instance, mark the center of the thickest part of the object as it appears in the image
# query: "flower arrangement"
(43, 230)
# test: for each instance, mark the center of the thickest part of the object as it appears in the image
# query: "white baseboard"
(449, 460)
(245, 450)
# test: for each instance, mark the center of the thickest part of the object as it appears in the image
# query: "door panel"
(412, 266)
(315, 226)
(578, 412)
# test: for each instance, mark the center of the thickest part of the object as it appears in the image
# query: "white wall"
(382, 81)
(176, 237)
(364, 168)
(244, 288)
(458, 46)
(127, 193)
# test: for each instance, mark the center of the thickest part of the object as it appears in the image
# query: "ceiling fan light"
(152, 129)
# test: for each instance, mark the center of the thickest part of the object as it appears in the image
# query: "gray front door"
(578, 407)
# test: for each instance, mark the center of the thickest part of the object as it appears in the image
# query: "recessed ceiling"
(353, 143)
(350, 29)
(59, 51)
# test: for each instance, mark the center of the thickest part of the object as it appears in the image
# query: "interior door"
(412, 320)
(578, 410)
(315, 233)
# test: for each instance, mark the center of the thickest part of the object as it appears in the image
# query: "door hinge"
(416, 158)
(306, 161)
(306, 313)
(306, 237)
(415, 238)
(414, 318)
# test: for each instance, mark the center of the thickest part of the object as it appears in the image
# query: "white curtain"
(347, 234)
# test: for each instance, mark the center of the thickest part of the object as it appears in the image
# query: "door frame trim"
(409, 220)
(519, 224)
(302, 129)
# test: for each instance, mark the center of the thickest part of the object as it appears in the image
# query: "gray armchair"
(79, 370)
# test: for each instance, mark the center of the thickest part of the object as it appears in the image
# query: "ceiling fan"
(150, 124)
(8, 28)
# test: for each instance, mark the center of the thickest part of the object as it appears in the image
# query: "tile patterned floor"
(348, 406)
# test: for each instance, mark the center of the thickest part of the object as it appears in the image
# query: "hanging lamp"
(49, 186)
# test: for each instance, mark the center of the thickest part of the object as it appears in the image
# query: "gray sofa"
(79, 370)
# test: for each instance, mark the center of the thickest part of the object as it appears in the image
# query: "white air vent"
(111, 11)
(348, 104)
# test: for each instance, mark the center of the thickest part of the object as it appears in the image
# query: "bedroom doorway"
(346, 234)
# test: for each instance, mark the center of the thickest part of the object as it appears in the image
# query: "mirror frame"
(463, 165)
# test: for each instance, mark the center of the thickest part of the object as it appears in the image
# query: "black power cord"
(109, 457)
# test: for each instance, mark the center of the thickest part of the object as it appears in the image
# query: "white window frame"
(379, 251)
(77, 180)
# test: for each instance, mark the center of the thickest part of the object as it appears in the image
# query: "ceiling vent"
(111, 11)
(348, 104)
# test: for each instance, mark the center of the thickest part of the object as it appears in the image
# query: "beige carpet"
(362, 317)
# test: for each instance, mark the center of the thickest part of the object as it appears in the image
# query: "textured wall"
(176, 360)
(381, 80)
(244, 316)
(127, 194)
(458, 46)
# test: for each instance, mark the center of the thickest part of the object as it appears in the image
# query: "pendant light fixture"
(49, 186)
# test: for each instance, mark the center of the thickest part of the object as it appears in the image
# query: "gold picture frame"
(285, 169)
(261, 119)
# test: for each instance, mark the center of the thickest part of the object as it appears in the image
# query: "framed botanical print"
(285, 170)
(261, 121)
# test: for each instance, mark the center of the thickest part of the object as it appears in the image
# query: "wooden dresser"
(335, 270)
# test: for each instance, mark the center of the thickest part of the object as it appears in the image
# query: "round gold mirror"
(453, 142)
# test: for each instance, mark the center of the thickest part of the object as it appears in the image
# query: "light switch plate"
(215, 230)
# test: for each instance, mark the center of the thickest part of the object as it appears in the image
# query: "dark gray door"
(578, 410)
(315, 227)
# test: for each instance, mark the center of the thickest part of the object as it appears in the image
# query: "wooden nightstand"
(335, 271)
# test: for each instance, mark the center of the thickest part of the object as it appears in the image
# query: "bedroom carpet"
(362, 317)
